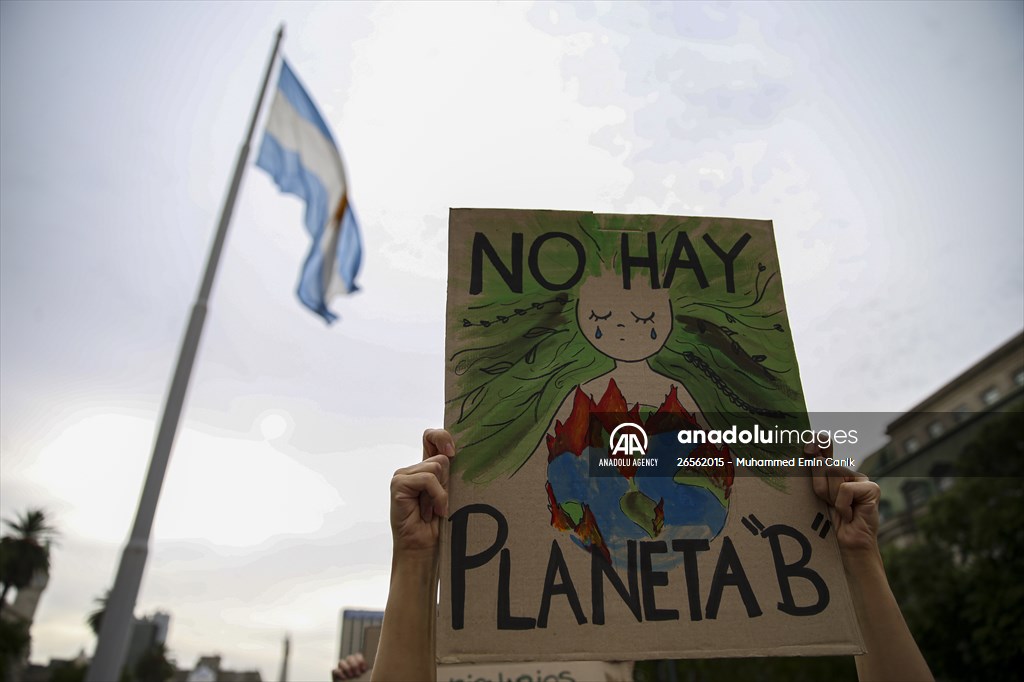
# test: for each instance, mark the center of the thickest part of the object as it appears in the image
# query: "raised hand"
(854, 502)
(419, 497)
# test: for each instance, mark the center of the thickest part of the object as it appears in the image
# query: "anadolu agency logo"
(629, 440)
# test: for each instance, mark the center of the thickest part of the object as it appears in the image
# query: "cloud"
(226, 490)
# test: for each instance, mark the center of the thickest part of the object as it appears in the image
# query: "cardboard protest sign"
(617, 386)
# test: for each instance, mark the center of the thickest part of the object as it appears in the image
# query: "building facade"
(353, 624)
(925, 442)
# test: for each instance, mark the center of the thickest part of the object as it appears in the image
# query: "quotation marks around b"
(823, 532)
(754, 525)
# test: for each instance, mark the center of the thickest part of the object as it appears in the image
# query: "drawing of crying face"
(624, 324)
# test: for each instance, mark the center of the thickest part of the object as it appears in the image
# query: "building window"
(1018, 377)
(990, 396)
(936, 429)
(911, 445)
(960, 413)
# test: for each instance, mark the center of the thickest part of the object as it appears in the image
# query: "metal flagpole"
(117, 616)
(283, 677)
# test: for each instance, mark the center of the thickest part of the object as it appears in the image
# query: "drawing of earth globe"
(662, 503)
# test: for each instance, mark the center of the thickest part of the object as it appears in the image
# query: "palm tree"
(95, 619)
(25, 550)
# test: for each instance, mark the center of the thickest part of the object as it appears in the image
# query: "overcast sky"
(884, 140)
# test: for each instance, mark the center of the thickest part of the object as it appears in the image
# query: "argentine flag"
(301, 156)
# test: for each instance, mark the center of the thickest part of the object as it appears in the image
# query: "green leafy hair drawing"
(518, 355)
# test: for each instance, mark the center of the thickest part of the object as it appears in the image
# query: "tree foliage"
(72, 672)
(153, 666)
(95, 617)
(24, 550)
(14, 641)
(960, 587)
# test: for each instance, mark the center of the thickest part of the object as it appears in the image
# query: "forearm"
(892, 653)
(406, 649)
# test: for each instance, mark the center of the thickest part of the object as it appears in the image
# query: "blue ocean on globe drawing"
(690, 511)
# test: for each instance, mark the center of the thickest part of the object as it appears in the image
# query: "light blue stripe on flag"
(299, 153)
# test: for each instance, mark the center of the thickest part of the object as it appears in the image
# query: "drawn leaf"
(531, 355)
(535, 332)
(471, 402)
(497, 368)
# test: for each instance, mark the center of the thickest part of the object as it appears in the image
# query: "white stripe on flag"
(319, 155)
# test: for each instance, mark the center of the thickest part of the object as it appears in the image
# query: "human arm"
(419, 500)
(892, 653)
